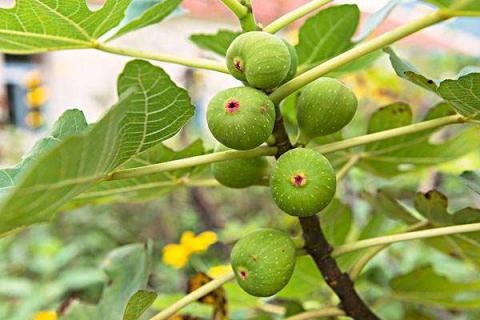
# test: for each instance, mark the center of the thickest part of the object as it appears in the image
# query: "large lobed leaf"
(127, 269)
(433, 208)
(414, 151)
(151, 108)
(140, 188)
(70, 123)
(327, 34)
(34, 26)
(462, 93)
(41, 25)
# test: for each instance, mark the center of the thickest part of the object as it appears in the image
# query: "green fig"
(303, 182)
(263, 262)
(241, 118)
(259, 58)
(293, 62)
(325, 106)
(240, 173)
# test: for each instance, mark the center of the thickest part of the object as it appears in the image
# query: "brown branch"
(320, 250)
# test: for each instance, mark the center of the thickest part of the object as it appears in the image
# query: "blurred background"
(48, 264)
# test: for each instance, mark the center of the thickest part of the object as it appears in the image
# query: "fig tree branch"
(193, 296)
(360, 50)
(192, 161)
(294, 15)
(429, 233)
(391, 133)
(320, 250)
(272, 150)
(199, 63)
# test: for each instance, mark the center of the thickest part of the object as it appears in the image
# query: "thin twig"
(314, 314)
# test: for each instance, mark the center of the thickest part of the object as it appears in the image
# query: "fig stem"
(386, 134)
(199, 63)
(314, 314)
(358, 51)
(294, 15)
(182, 182)
(362, 262)
(346, 168)
(193, 296)
(236, 7)
(414, 235)
(191, 162)
(283, 147)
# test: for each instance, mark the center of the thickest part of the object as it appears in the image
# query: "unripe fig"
(263, 262)
(261, 59)
(240, 173)
(241, 118)
(293, 62)
(325, 106)
(303, 182)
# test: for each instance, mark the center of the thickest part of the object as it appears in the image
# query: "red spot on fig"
(238, 65)
(299, 180)
(232, 106)
(243, 275)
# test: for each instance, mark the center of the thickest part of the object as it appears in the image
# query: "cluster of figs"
(302, 181)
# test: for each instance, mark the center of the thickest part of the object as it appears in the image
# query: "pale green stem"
(199, 63)
(349, 165)
(314, 314)
(192, 161)
(362, 262)
(430, 233)
(193, 296)
(270, 151)
(294, 15)
(387, 134)
(360, 50)
(236, 7)
(161, 184)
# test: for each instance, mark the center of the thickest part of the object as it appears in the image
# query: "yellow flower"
(177, 255)
(199, 243)
(45, 315)
(218, 271)
(37, 97)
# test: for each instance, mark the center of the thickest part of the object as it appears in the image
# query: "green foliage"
(78, 164)
(461, 93)
(36, 26)
(413, 152)
(425, 286)
(141, 188)
(127, 269)
(263, 261)
(218, 42)
(138, 304)
(303, 182)
(141, 116)
(241, 118)
(153, 15)
(327, 34)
